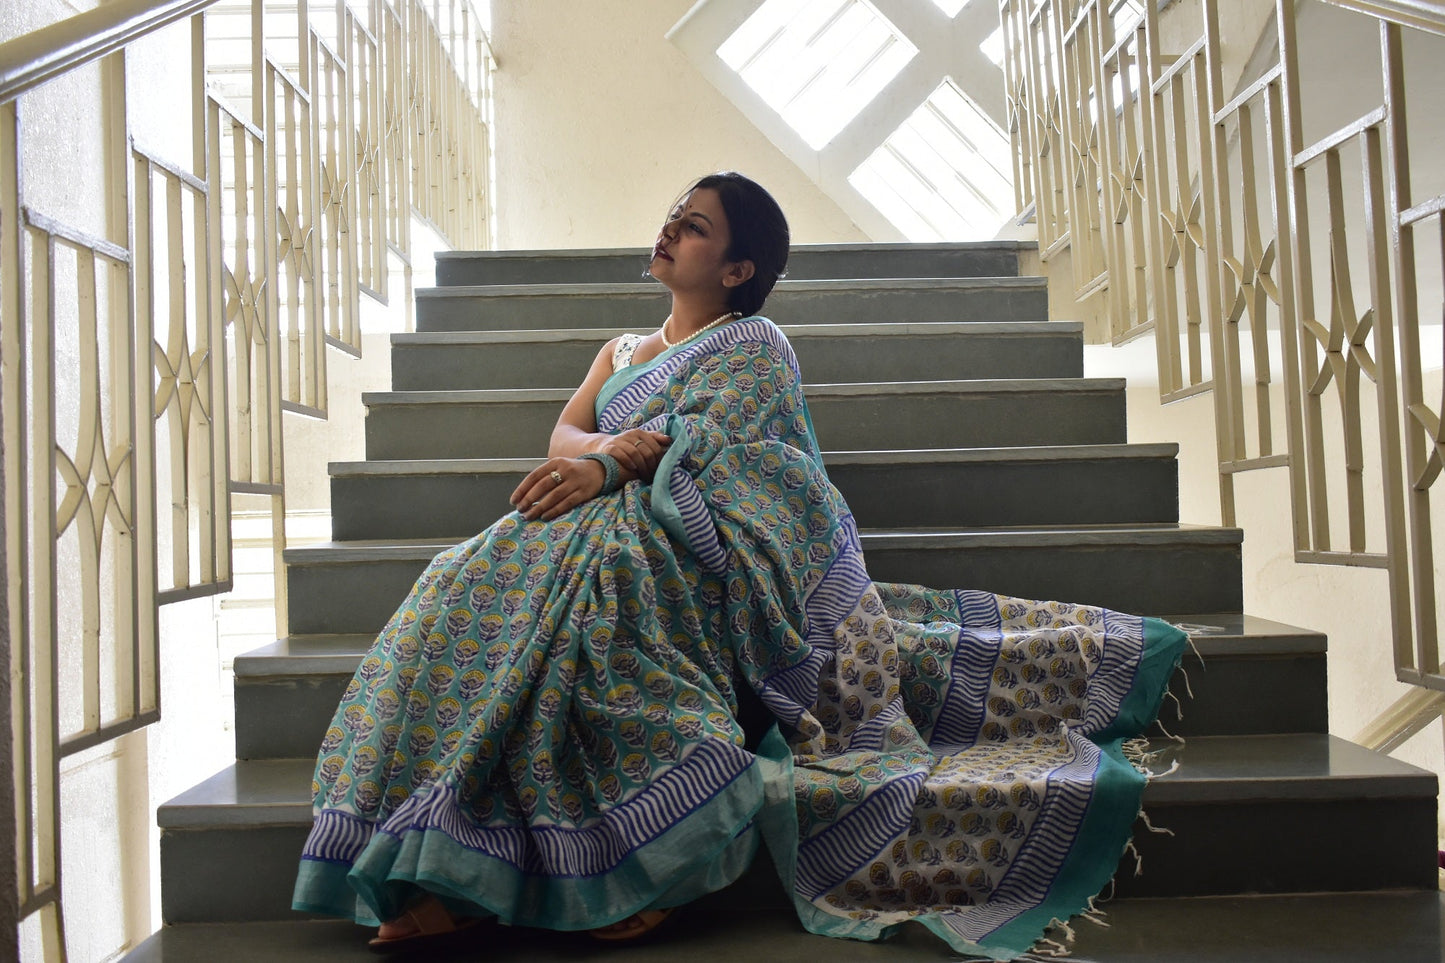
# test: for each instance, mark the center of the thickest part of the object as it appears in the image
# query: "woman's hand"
(637, 450)
(557, 486)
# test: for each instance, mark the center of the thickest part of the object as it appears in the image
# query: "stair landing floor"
(1394, 927)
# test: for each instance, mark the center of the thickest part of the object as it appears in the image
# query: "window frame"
(947, 47)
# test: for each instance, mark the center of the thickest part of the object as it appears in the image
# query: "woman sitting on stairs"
(548, 730)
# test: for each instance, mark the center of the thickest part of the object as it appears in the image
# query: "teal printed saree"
(547, 729)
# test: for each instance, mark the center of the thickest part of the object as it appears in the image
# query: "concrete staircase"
(974, 454)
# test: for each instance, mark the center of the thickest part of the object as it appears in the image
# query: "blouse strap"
(622, 351)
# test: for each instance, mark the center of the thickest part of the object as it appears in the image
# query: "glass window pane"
(944, 174)
(817, 62)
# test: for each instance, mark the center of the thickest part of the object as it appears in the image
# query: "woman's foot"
(424, 920)
(638, 924)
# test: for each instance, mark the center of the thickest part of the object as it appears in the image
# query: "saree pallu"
(547, 729)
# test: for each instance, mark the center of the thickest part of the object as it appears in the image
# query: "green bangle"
(609, 464)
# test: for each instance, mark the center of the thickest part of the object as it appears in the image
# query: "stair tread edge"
(277, 791)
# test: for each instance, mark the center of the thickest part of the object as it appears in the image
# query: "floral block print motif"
(969, 774)
(547, 729)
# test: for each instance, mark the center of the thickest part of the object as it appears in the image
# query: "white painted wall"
(601, 123)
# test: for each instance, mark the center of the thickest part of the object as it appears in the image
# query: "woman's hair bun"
(759, 233)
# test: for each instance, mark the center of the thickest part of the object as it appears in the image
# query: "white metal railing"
(1213, 223)
(147, 361)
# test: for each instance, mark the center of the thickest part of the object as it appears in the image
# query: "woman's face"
(691, 250)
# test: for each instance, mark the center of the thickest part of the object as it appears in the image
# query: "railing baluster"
(13, 400)
(1423, 440)
(76, 508)
(42, 642)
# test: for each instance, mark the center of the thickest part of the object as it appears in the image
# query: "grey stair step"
(230, 845)
(287, 691)
(1251, 676)
(1264, 813)
(1036, 485)
(806, 262)
(512, 306)
(344, 587)
(1278, 801)
(1075, 484)
(827, 353)
(1145, 568)
(512, 423)
(1246, 676)
(1400, 927)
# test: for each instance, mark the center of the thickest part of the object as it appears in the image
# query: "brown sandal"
(431, 923)
(637, 925)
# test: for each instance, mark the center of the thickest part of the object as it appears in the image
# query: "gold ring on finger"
(637, 442)
(556, 476)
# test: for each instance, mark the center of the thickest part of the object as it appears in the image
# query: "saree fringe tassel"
(1061, 946)
(1095, 915)
(1156, 830)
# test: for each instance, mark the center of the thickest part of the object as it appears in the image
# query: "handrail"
(202, 295)
(32, 59)
(1419, 14)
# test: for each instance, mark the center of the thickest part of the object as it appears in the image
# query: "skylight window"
(1126, 16)
(817, 62)
(950, 7)
(943, 175)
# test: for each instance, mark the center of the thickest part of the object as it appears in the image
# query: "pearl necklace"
(711, 324)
